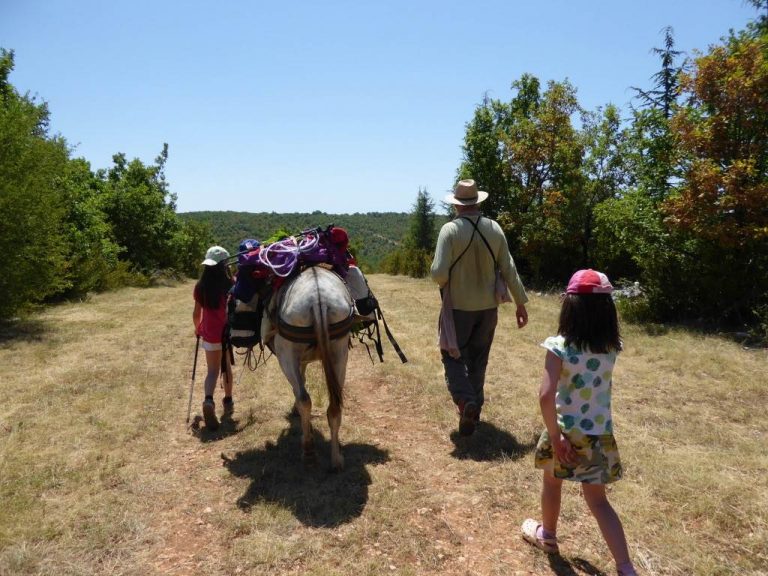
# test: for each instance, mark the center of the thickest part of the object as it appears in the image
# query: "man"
(469, 248)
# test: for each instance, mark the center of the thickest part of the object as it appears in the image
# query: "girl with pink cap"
(575, 401)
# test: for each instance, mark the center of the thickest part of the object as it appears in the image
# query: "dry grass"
(100, 475)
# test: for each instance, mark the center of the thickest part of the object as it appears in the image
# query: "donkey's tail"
(320, 320)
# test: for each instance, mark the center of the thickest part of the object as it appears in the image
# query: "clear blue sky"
(340, 106)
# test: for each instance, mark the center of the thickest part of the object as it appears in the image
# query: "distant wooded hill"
(373, 235)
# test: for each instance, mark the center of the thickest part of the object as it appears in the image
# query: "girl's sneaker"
(209, 415)
(229, 406)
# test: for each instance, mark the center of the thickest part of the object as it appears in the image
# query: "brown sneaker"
(229, 406)
(468, 420)
(209, 415)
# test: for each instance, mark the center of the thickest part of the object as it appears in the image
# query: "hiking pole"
(192, 384)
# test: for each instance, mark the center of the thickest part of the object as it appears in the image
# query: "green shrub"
(124, 274)
(759, 331)
(634, 310)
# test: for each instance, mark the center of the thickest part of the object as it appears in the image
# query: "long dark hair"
(214, 283)
(589, 322)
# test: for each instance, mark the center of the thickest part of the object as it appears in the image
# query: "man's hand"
(522, 316)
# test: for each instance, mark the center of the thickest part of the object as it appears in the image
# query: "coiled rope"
(282, 256)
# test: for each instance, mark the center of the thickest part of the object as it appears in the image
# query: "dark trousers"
(465, 376)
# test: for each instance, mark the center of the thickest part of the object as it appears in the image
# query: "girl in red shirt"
(210, 318)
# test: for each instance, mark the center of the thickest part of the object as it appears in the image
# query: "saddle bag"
(244, 323)
(366, 306)
(365, 302)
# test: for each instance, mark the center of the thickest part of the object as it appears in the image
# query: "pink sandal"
(530, 530)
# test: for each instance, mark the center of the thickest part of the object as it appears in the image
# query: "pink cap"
(589, 282)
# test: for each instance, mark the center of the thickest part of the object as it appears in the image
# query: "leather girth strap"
(306, 334)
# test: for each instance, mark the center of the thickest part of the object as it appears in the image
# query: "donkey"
(314, 315)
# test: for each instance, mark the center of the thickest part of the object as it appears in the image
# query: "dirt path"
(190, 537)
(467, 534)
(454, 515)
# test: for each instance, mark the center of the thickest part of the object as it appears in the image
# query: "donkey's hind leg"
(290, 362)
(340, 351)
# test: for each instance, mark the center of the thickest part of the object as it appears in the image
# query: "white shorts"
(211, 346)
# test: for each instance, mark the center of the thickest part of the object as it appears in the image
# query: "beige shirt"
(473, 277)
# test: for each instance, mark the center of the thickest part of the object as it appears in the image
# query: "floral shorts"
(598, 455)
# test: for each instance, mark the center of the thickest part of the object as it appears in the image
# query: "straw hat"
(466, 194)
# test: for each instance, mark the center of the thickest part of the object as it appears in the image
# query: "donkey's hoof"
(337, 465)
(309, 458)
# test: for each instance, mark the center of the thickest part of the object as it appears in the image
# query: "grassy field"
(99, 474)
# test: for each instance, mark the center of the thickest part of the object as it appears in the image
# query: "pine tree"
(421, 235)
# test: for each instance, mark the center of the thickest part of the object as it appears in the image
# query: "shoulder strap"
(474, 225)
(465, 249)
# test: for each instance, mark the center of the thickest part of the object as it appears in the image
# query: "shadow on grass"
(564, 567)
(228, 426)
(23, 331)
(489, 443)
(314, 494)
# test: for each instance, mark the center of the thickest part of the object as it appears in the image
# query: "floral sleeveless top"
(583, 398)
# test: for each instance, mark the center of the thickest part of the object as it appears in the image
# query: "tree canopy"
(69, 230)
(675, 196)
